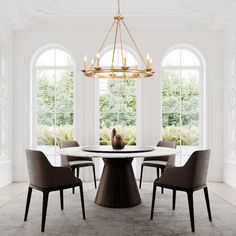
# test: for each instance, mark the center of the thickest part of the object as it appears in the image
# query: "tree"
(55, 98)
(118, 103)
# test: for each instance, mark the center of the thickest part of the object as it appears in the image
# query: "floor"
(224, 191)
(107, 221)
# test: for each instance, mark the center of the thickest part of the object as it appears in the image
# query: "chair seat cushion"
(80, 163)
(154, 163)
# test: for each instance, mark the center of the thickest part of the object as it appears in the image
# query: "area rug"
(108, 222)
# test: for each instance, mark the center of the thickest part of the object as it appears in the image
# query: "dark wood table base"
(118, 187)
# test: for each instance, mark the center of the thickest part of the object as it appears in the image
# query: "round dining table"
(117, 187)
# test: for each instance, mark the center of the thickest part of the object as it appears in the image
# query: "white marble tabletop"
(77, 151)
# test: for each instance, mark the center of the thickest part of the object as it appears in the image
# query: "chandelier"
(124, 70)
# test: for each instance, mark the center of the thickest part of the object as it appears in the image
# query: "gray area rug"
(107, 221)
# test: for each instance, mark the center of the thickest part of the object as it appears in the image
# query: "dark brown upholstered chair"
(46, 178)
(189, 178)
(76, 162)
(159, 163)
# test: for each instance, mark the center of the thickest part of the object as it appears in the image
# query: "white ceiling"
(143, 15)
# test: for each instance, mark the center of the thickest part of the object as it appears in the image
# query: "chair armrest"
(61, 176)
(175, 177)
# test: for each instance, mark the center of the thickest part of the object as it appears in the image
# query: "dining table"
(117, 186)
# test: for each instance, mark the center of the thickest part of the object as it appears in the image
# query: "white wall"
(229, 174)
(6, 39)
(210, 44)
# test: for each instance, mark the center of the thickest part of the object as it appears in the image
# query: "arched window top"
(181, 57)
(54, 57)
(107, 58)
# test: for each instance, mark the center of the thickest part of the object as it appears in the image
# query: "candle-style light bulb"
(92, 62)
(84, 63)
(125, 61)
(150, 63)
(98, 59)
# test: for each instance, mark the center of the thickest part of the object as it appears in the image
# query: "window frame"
(34, 88)
(202, 88)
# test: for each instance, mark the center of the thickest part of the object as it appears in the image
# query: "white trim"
(202, 87)
(33, 90)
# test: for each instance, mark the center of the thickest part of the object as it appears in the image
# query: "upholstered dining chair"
(76, 162)
(46, 178)
(188, 178)
(160, 162)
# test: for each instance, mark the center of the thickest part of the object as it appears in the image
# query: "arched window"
(53, 106)
(118, 102)
(182, 101)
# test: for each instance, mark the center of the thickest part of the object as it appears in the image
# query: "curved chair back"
(170, 159)
(196, 168)
(39, 168)
(66, 159)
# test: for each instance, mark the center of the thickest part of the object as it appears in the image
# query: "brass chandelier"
(96, 70)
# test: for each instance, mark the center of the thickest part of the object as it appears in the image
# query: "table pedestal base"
(118, 187)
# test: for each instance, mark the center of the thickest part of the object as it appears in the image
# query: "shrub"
(188, 135)
(128, 134)
(51, 135)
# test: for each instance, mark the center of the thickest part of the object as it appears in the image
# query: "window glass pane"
(63, 58)
(172, 58)
(181, 105)
(107, 58)
(188, 58)
(55, 107)
(117, 110)
(47, 58)
(46, 91)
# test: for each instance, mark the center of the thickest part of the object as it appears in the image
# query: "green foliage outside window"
(118, 109)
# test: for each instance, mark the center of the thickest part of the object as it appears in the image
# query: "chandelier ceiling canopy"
(120, 70)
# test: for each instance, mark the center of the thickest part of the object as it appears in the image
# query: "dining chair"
(160, 162)
(76, 162)
(46, 178)
(188, 178)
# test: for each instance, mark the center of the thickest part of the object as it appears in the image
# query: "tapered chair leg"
(44, 212)
(94, 177)
(162, 189)
(207, 203)
(73, 189)
(191, 210)
(173, 199)
(141, 176)
(82, 200)
(77, 173)
(153, 200)
(28, 203)
(61, 199)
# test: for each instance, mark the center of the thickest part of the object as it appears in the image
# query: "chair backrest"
(66, 144)
(39, 168)
(65, 159)
(167, 144)
(196, 168)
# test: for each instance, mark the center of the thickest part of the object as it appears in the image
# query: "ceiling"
(190, 15)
